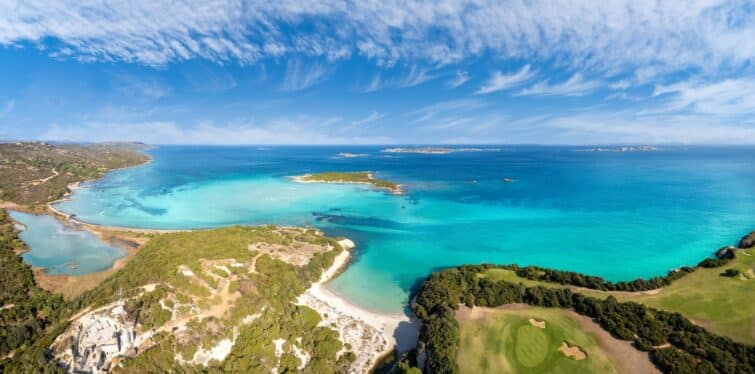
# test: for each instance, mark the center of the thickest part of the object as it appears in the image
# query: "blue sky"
(379, 72)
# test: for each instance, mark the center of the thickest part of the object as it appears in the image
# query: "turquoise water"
(56, 247)
(617, 215)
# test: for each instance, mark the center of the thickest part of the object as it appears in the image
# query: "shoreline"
(354, 323)
(303, 179)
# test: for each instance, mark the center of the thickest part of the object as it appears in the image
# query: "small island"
(359, 177)
(621, 149)
(351, 155)
(436, 150)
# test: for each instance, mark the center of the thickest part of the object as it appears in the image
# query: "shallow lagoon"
(617, 215)
(63, 250)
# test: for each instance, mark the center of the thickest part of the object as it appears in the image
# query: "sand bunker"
(574, 351)
(536, 323)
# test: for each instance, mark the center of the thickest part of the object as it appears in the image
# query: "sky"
(378, 72)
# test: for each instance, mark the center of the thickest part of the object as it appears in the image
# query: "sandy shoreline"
(372, 335)
(304, 179)
(71, 218)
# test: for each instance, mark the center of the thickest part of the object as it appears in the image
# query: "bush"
(730, 273)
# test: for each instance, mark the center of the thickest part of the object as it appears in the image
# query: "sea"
(601, 211)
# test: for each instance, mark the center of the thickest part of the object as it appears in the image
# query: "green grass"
(504, 342)
(352, 177)
(723, 305)
(531, 346)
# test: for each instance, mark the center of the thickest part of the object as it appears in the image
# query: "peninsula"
(253, 299)
(360, 177)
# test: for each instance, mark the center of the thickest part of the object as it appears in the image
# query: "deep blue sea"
(612, 214)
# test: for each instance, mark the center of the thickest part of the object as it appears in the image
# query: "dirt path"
(4, 307)
(37, 182)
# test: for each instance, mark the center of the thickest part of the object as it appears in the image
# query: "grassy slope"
(722, 305)
(28, 170)
(504, 341)
(352, 177)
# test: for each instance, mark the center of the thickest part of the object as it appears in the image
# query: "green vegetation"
(36, 173)
(694, 348)
(26, 311)
(362, 177)
(505, 341)
(722, 305)
(268, 292)
(254, 304)
(731, 273)
(146, 309)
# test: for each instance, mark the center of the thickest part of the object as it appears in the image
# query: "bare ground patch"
(297, 253)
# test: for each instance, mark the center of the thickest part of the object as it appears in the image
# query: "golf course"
(721, 304)
(525, 339)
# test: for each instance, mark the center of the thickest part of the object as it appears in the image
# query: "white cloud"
(460, 78)
(414, 77)
(300, 75)
(445, 108)
(730, 97)
(620, 85)
(576, 85)
(499, 81)
(609, 36)
(374, 116)
(297, 130)
(628, 127)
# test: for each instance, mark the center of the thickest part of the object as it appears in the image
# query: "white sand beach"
(370, 334)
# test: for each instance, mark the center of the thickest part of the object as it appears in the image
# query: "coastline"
(93, 227)
(304, 179)
(372, 335)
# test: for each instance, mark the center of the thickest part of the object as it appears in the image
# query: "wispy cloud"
(7, 107)
(499, 81)
(413, 77)
(460, 78)
(140, 86)
(629, 127)
(576, 85)
(713, 35)
(294, 130)
(211, 81)
(445, 108)
(300, 75)
(730, 97)
(374, 116)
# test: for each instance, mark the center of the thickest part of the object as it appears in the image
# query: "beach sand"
(371, 335)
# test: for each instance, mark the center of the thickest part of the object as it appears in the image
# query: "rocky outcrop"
(748, 241)
(726, 253)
